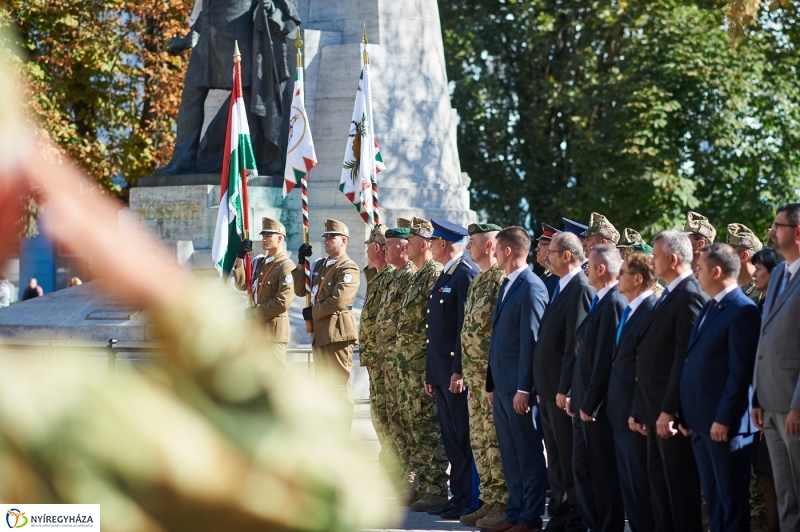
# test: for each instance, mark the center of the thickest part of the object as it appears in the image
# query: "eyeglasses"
(624, 272)
(549, 251)
(775, 225)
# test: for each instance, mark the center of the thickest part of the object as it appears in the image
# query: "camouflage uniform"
(372, 362)
(475, 334)
(417, 410)
(385, 338)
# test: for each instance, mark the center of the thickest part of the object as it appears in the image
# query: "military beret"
(573, 227)
(421, 227)
(448, 230)
(629, 237)
(548, 232)
(378, 234)
(335, 228)
(475, 229)
(599, 225)
(398, 232)
(699, 225)
(741, 235)
(643, 248)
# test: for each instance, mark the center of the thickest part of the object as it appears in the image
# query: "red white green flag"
(239, 164)
(362, 157)
(300, 154)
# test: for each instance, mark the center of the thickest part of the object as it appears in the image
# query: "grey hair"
(608, 254)
(569, 242)
(676, 242)
(725, 257)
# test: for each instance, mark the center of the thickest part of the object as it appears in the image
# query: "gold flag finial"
(298, 43)
(364, 42)
(237, 56)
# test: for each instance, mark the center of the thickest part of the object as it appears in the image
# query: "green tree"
(639, 110)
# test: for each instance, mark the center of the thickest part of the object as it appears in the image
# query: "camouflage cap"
(404, 222)
(629, 238)
(475, 229)
(398, 232)
(421, 227)
(699, 225)
(378, 234)
(741, 235)
(599, 225)
(768, 242)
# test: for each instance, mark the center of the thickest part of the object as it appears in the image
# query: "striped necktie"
(622, 321)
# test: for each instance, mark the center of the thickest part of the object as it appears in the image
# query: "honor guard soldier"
(369, 356)
(444, 377)
(418, 409)
(701, 234)
(272, 285)
(549, 279)
(334, 285)
(600, 231)
(746, 244)
(577, 229)
(475, 334)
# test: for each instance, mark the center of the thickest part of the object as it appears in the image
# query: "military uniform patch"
(288, 278)
(346, 278)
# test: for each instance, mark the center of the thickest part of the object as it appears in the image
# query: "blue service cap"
(574, 227)
(448, 230)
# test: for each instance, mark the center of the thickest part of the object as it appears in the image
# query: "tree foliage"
(99, 80)
(640, 110)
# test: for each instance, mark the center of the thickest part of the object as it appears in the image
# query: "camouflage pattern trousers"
(414, 425)
(485, 449)
(389, 455)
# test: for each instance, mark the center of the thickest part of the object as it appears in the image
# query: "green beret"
(475, 229)
(643, 248)
(398, 232)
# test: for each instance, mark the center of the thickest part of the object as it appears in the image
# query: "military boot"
(471, 519)
(495, 516)
(409, 495)
(427, 502)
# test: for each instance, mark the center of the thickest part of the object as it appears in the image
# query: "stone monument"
(414, 124)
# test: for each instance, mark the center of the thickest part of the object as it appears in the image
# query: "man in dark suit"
(593, 458)
(715, 386)
(516, 319)
(661, 352)
(443, 376)
(549, 279)
(777, 374)
(553, 364)
(636, 279)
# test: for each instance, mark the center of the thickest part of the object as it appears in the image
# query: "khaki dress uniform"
(273, 292)
(334, 286)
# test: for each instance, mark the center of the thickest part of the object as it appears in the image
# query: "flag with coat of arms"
(300, 154)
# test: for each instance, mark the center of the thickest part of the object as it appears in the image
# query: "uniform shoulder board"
(467, 264)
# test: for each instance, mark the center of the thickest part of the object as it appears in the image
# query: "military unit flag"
(300, 155)
(238, 164)
(362, 157)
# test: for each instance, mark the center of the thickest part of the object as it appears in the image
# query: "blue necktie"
(662, 298)
(784, 282)
(555, 292)
(595, 299)
(503, 288)
(622, 321)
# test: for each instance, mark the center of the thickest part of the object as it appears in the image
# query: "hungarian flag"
(239, 164)
(362, 157)
(300, 155)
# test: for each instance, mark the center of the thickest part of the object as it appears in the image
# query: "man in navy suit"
(521, 304)
(553, 363)
(715, 387)
(636, 282)
(443, 376)
(593, 457)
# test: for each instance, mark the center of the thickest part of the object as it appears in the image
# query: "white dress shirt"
(637, 301)
(511, 277)
(671, 286)
(606, 289)
(564, 281)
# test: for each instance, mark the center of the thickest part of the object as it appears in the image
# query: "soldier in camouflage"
(600, 231)
(701, 233)
(475, 334)
(385, 343)
(746, 244)
(417, 409)
(368, 351)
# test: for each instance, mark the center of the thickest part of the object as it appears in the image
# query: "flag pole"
(298, 43)
(373, 180)
(248, 263)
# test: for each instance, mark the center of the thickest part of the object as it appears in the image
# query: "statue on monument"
(262, 28)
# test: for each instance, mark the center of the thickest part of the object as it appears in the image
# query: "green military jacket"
(389, 309)
(477, 330)
(411, 337)
(376, 286)
(750, 291)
